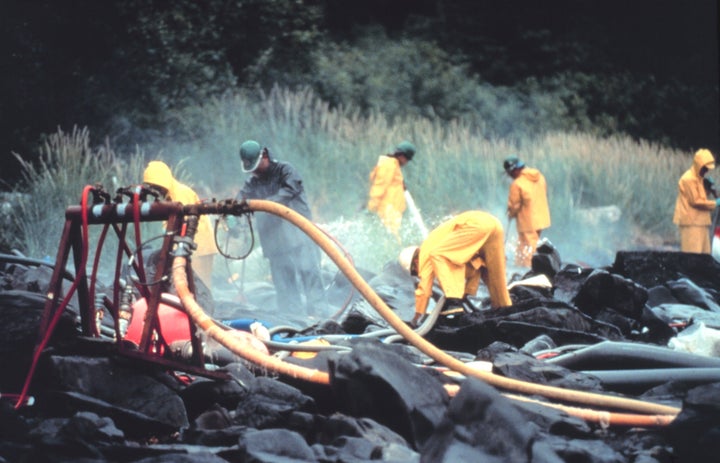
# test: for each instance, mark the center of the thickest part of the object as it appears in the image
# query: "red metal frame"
(173, 215)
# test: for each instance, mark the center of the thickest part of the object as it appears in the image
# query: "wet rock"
(642, 445)
(695, 433)
(356, 449)
(215, 417)
(346, 438)
(12, 424)
(482, 425)
(653, 329)
(269, 403)
(178, 457)
(380, 405)
(81, 437)
(686, 291)
(373, 382)
(546, 259)
(660, 294)
(204, 393)
(603, 289)
(83, 434)
(682, 302)
(685, 314)
(225, 437)
(590, 451)
(519, 324)
(273, 445)
(653, 268)
(26, 278)
(338, 426)
(523, 293)
(20, 315)
(568, 281)
(123, 389)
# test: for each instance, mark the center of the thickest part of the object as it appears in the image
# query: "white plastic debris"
(697, 339)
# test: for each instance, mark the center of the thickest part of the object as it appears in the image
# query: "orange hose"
(272, 363)
(202, 320)
(604, 418)
(437, 354)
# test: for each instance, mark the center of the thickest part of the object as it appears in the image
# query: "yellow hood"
(158, 173)
(703, 158)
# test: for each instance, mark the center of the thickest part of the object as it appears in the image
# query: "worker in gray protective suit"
(294, 259)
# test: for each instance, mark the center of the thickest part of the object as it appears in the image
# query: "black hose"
(652, 377)
(14, 259)
(610, 355)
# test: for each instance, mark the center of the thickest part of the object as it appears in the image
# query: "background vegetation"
(123, 68)
(609, 99)
(456, 168)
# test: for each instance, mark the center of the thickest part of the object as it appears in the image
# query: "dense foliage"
(125, 68)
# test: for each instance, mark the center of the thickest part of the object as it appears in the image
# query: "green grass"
(456, 168)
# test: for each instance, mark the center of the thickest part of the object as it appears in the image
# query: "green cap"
(511, 163)
(250, 152)
(405, 148)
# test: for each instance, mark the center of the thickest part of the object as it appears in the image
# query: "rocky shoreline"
(386, 401)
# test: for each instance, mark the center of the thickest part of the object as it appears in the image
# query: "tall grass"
(67, 163)
(457, 167)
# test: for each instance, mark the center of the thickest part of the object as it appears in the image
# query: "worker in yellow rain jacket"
(528, 205)
(460, 253)
(387, 187)
(692, 207)
(157, 174)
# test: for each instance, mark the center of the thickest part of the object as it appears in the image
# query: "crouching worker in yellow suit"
(459, 253)
(158, 175)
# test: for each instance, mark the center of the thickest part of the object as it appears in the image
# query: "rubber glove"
(717, 202)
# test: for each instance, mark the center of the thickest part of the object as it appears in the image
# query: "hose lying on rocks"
(509, 384)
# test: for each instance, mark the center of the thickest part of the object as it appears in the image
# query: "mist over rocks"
(386, 401)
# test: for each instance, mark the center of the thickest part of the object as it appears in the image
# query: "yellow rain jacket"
(527, 201)
(692, 207)
(459, 253)
(387, 192)
(158, 173)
